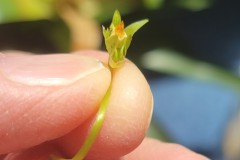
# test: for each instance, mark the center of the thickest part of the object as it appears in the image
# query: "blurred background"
(189, 53)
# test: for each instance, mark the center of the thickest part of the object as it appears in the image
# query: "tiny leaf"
(132, 28)
(116, 18)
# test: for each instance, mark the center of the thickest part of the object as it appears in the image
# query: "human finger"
(127, 119)
(155, 150)
(44, 97)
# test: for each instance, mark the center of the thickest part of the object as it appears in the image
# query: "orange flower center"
(119, 31)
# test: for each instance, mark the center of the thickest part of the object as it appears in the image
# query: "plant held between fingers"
(117, 41)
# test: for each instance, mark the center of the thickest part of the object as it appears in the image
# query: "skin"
(39, 120)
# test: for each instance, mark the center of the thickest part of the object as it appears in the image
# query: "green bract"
(118, 39)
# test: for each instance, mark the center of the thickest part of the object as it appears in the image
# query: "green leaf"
(154, 131)
(194, 5)
(153, 4)
(106, 32)
(170, 62)
(116, 18)
(25, 10)
(134, 27)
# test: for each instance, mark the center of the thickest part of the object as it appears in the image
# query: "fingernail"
(55, 69)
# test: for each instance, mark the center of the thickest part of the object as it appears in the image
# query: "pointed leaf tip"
(116, 18)
(132, 28)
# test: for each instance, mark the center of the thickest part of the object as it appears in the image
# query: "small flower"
(118, 39)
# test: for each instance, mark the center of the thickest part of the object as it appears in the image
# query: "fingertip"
(128, 116)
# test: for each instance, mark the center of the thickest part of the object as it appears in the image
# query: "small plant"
(117, 41)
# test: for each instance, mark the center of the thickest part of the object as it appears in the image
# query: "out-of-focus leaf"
(153, 4)
(170, 62)
(155, 132)
(194, 5)
(25, 10)
(107, 7)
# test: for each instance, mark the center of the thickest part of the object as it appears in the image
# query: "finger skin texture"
(45, 116)
(31, 114)
(2, 157)
(40, 152)
(128, 116)
(38, 120)
(155, 150)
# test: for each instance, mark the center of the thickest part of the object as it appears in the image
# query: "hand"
(48, 103)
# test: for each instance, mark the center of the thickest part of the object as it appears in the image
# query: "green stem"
(95, 129)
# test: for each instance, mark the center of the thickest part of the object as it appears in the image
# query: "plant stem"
(94, 131)
(96, 127)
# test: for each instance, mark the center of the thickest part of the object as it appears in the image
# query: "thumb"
(46, 96)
